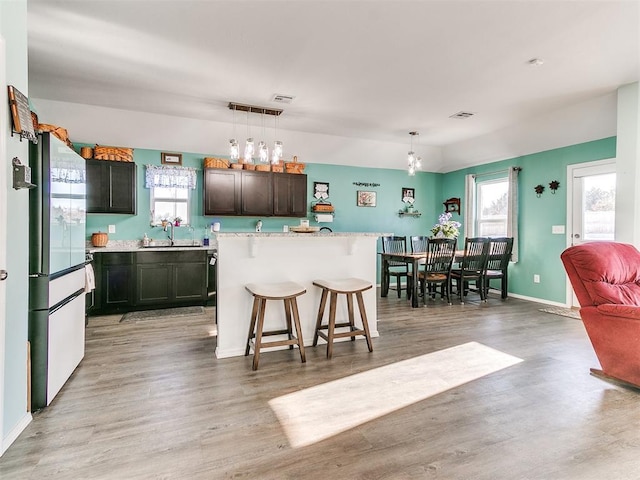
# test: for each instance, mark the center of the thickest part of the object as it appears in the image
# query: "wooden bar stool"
(349, 287)
(286, 291)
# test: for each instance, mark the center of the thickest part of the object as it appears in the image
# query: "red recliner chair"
(606, 279)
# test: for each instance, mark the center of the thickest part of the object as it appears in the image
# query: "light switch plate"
(112, 229)
(557, 229)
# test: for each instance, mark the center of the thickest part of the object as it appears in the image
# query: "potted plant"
(445, 228)
(176, 221)
(164, 222)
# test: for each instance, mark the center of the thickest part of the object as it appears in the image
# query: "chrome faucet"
(170, 235)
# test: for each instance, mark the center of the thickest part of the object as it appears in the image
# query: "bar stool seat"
(348, 287)
(286, 291)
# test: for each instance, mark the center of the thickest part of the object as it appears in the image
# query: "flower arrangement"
(177, 221)
(445, 228)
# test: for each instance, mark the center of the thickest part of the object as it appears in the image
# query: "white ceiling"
(363, 69)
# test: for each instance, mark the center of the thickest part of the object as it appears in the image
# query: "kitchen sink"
(172, 246)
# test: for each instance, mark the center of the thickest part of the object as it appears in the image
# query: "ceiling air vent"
(282, 98)
(461, 115)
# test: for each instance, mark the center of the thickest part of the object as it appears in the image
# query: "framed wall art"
(366, 198)
(171, 158)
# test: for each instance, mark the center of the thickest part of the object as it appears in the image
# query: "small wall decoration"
(366, 198)
(171, 158)
(539, 189)
(408, 195)
(554, 185)
(452, 205)
(320, 190)
(363, 184)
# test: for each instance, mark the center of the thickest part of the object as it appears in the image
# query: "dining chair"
(437, 267)
(418, 243)
(397, 268)
(498, 263)
(472, 266)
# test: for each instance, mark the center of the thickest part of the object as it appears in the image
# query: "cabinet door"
(189, 281)
(121, 179)
(221, 192)
(117, 286)
(257, 194)
(289, 195)
(96, 187)
(153, 283)
(111, 187)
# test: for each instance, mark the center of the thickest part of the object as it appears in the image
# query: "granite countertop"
(136, 246)
(302, 235)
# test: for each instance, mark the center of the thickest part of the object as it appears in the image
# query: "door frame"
(4, 168)
(571, 171)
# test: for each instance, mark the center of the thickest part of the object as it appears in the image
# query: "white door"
(591, 200)
(4, 129)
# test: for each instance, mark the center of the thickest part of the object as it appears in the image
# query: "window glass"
(169, 203)
(599, 207)
(492, 206)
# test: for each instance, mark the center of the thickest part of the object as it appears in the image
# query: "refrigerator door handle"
(67, 300)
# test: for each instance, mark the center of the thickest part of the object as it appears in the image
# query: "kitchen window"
(170, 192)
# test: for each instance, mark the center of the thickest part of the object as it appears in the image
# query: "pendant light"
(413, 162)
(263, 150)
(277, 144)
(234, 149)
(248, 146)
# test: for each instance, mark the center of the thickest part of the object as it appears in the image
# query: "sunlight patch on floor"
(314, 414)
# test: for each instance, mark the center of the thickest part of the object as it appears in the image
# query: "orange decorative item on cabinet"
(294, 167)
(99, 239)
(86, 152)
(118, 154)
(213, 162)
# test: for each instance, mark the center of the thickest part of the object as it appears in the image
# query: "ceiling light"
(535, 62)
(413, 161)
(249, 149)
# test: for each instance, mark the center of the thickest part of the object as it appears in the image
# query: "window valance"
(170, 176)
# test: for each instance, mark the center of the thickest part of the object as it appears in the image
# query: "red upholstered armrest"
(615, 310)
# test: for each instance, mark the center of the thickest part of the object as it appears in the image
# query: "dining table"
(413, 259)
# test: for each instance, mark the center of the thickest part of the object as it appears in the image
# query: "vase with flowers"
(408, 204)
(446, 228)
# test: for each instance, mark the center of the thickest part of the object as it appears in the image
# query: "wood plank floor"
(151, 401)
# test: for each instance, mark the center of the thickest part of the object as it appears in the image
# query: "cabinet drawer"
(116, 258)
(174, 256)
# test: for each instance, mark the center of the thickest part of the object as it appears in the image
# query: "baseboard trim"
(15, 432)
(538, 300)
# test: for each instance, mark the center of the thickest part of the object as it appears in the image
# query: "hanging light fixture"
(277, 144)
(234, 149)
(414, 162)
(250, 149)
(263, 150)
(248, 146)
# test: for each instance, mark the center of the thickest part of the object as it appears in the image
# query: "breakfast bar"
(297, 257)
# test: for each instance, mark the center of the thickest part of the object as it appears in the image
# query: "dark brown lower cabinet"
(129, 281)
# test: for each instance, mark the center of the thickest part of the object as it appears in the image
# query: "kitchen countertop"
(307, 234)
(136, 246)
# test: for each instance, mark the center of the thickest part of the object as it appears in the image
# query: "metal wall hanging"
(554, 185)
(539, 189)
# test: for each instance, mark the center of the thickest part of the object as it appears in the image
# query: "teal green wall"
(13, 27)
(539, 249)
(348, 216)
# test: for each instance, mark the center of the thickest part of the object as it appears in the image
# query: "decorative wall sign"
(366, 199)
(361, 184)
(452, 205)
(171, 158)
(408, 195)
(321, 190)
(21, 115)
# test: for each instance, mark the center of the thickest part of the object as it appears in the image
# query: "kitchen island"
(298, 257)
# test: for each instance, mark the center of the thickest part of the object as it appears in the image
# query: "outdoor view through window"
(599, 207)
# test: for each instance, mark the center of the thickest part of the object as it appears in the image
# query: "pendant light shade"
(234, 149)
(248, 151)
(413, 161)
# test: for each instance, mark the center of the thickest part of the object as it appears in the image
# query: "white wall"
(628, 165)
(108, 126)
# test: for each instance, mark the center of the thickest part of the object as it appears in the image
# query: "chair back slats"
(440, 254)
(394, 244)
(499, 253)
(419, 243)
(475, 254)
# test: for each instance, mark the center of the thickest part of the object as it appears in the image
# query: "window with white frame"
(170, 192)
(492, 201)
(169, 203)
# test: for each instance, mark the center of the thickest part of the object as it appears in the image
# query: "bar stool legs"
(348, 287)
(287, 292)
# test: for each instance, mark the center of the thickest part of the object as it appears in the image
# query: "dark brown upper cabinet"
(111, 187)
(255, 194)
